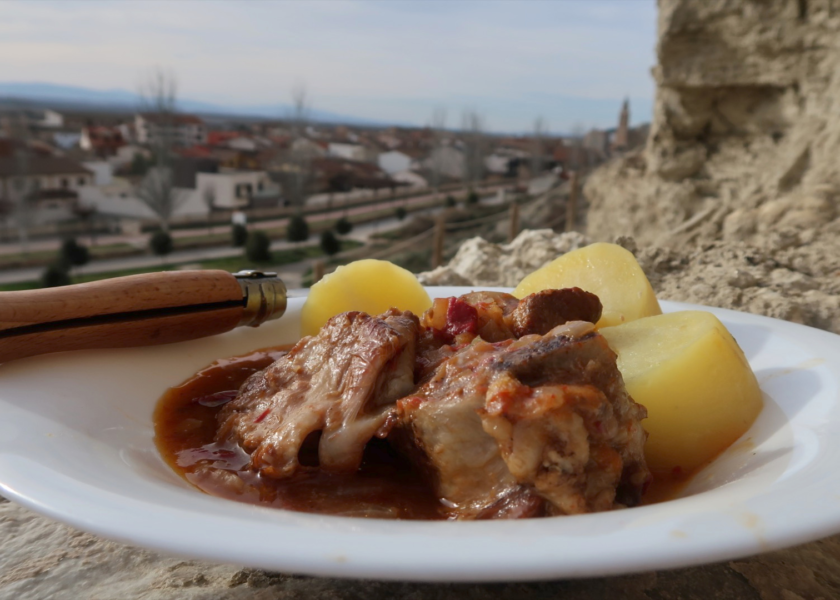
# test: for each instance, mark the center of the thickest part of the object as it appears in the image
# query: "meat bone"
(138, 310)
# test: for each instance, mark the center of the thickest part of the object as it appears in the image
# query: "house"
(448, 161)
(181, 129)
(499, 163)
(221, 137)
(48, 185)
(305, 148)
(597, 140)
(33, 172)
(101, 141)
(394, 161)
(243, 143)
(36, 118)
(410, 179)
(66, 139)
(103, 172)
(50, 119)
(347, 151)
(331, 174)
(125, 155)
(128, 132)
(185, 170)
(237, 190)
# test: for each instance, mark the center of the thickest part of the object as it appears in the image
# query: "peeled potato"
(695, 381)
(371, 286)
(608, 271)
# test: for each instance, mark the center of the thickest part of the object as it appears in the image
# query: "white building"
(125, 155)
(243, 143)
(103, 172)
(183, 130)
(497, 164)
(304, 147)
(394, 161)
(411, 179)
(51, 119)
(66, 139)
(48, 186)
(347, 151)
(41, 173)
(446, 160)
(234, 190)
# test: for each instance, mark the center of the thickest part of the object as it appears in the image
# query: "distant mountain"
(69, 96)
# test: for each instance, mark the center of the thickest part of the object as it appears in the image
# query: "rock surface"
(479, 262)
(745, 133)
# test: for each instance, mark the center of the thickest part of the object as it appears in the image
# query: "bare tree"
(7, 209)
(300, 154)
(438, 131)
(158, 192)
(87, 214)
(474, 148)
(209, 197)
(158, 102)
(538, 146)
(580, 154)
(23, 185)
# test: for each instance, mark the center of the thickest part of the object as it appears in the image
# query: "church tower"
(621, 138)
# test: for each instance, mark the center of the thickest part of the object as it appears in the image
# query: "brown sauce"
(386, 485)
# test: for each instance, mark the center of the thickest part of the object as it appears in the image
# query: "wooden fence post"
(437, 244)
(514, 221)
(571, 205)
(317, 271)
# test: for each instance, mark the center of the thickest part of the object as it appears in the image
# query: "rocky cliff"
(745, 138)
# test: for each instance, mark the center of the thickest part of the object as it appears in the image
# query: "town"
(79, 187)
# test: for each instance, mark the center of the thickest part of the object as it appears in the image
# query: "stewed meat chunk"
(495, 317)
(342, 382)
(543, 311)
(541, 424)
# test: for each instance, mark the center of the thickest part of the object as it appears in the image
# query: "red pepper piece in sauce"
(217, 399)
(460, 318)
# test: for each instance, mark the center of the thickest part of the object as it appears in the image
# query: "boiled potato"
(371, 286)
(608, 271)
(696, 383)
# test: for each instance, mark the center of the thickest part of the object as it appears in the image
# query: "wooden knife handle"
(139, 310)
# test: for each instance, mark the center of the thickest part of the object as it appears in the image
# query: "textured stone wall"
(745, 138)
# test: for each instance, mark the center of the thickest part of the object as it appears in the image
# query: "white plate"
(76, 445)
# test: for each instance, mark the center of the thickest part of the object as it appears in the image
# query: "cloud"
(398, 58)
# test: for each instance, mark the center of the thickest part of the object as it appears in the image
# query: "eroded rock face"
(479, 262)
(745, 133)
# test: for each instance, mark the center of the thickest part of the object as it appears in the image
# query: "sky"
(570, 62)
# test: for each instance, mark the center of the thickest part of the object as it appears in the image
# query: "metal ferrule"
(264, 297)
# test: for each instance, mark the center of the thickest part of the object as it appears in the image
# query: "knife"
(138, 310)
